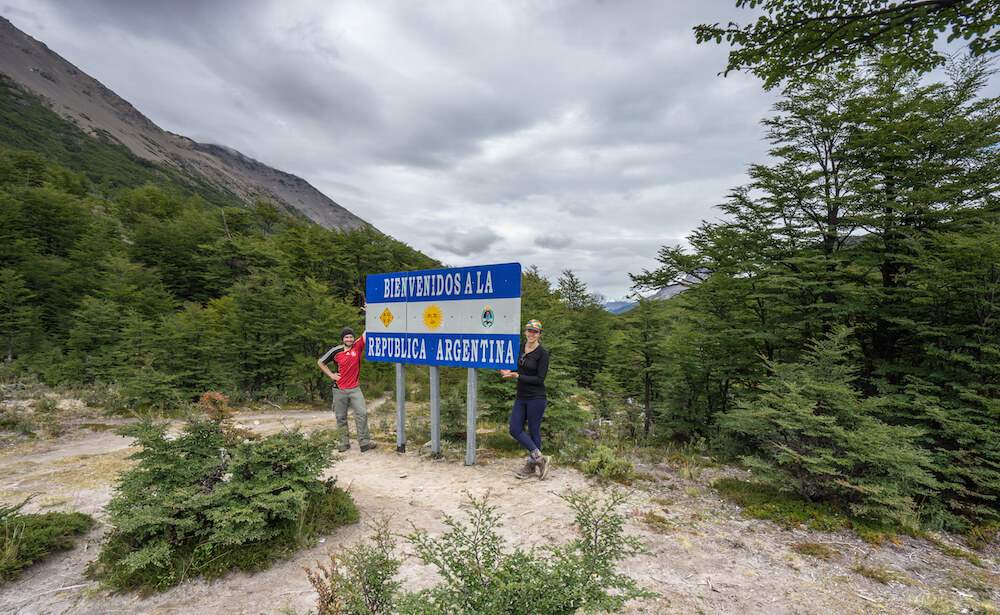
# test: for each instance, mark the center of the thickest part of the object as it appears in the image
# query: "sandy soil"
(704, 557)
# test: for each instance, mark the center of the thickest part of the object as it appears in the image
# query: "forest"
(842, 341)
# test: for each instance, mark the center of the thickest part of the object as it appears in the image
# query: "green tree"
(867, 169)
(133, 286)
(28, 169)
(190, 346)
(94, 341)
(952, 381)
(817, 436)
(267, 216)
(639, 362)
(141, 380)
(317, 317)
(882, 188)
(587, 328)
(16, 313)
(178, 249)
(256, 334)
(797, 39)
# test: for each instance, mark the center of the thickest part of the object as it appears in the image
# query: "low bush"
(366, 585)
(213, 499)
(482, 575)
(605, 462)
(27, 538)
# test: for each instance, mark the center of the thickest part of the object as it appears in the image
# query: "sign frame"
(463, 317)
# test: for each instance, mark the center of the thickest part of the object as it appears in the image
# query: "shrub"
(609, 465)
(483, 575)
(368, 586)
(815, 434)
(205, 502)
(26, 539)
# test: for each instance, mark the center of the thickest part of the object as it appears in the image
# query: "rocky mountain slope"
(97, 110)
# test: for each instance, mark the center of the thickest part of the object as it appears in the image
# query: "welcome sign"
(465, 317)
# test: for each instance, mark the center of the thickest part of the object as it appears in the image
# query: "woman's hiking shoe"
(368, 447)
(527, 470)
(542, 466)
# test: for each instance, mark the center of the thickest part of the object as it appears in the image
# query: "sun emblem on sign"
(433, 317)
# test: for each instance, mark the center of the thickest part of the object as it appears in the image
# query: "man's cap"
(346, 331)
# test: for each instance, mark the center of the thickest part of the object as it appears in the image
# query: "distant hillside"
(101, 113)
(620, 307)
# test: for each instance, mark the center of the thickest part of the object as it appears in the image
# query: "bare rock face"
(97, 110)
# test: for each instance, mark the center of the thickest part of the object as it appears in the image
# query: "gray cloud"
(553, 242)
(468, 242)
(575, 134)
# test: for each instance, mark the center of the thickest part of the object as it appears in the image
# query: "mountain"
(667, 292)
(100, 112)
(619, 306)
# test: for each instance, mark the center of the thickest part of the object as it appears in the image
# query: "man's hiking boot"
(368, 447)
(542, 466)
(344, 448)
(527, 470)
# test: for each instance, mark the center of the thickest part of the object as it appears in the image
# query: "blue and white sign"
(466, 317)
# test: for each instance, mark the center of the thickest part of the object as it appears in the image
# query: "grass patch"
(89, 471)
(761, 501)
(52, 500)
(499, 441)
(979, 584)
(956, 552)
(657, 522)
(97, 426)
(647, 477)
(935, 604)
(690, 457)
(881, 575)
(814, 549)
(26, 539)
(981, 535)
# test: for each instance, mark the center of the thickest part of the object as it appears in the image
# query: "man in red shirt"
(346, 390)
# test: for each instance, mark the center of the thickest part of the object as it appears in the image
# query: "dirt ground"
(704, 557)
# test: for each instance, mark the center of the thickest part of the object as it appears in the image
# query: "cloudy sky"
(565, 134)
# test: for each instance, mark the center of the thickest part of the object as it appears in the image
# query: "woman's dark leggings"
(530, 411)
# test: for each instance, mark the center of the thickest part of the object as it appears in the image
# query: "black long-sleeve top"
(531, 371)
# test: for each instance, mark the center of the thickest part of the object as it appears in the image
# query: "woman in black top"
(529, 403)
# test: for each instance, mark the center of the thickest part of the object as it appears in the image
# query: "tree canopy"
(877, 216)
(796, 38)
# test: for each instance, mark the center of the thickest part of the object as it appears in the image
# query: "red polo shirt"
(348, 363)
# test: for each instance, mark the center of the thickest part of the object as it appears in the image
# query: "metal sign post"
(471, 394)
(435, 377)
(465, 317)
(400, 409)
